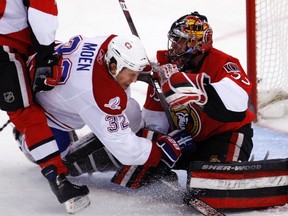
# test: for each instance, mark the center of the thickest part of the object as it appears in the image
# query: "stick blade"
(202, 207)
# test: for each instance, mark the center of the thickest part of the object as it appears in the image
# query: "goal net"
(267, 59)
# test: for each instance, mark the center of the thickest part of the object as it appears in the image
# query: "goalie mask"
(188, 36)
(126, 51)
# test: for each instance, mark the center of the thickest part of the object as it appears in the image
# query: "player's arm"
(230, 95)
(43, 21)
(224, 100)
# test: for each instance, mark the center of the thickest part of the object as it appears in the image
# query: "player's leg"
(30, 120)
(226, 147)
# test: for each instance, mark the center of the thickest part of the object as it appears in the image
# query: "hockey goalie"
(207, 92)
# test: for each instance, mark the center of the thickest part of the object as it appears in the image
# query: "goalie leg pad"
(89, 155)
(239, 185)
(131, 176)
(135, 177)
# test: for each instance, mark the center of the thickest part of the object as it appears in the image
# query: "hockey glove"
(47, 74)
(162, 57)
(165, 72)
(173, 145)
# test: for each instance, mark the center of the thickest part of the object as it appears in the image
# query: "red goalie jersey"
(227, 92)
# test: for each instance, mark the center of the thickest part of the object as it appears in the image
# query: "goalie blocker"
(239, 185)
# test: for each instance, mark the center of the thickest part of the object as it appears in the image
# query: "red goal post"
(267, 59)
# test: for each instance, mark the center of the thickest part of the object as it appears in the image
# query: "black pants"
(226, 147)
(15, 91)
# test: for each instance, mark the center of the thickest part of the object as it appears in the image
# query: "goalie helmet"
(126, 51)
(189, 36)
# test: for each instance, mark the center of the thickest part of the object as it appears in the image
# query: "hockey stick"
(194, 202)
(148, 78)
(4, 125)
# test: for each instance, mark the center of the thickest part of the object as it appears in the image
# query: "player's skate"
(73, 196)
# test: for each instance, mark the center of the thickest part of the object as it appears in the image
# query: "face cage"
(177, 54)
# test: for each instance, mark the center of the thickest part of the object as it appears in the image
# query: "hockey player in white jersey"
(94, 91)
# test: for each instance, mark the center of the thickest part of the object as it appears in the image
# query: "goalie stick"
(197, 204)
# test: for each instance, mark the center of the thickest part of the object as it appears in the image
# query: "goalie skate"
(76, 204)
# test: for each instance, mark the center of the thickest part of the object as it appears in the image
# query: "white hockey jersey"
(88, 95)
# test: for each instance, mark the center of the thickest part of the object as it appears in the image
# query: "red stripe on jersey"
(2, 7)
(46, 6)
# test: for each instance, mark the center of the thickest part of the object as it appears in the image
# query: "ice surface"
(25, 192)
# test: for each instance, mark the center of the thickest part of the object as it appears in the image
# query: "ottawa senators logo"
(187, 118)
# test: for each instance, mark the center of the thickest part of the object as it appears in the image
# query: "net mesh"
(272, 59)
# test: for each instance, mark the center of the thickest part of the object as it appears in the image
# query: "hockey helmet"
(188, 36)
(126, 51)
